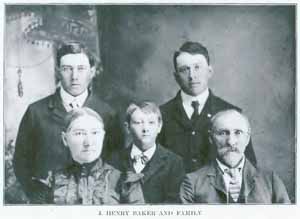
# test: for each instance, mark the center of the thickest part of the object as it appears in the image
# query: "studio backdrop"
(252, 50)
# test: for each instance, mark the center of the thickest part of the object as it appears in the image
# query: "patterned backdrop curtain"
(32, 33)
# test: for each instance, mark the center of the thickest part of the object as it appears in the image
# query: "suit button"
(193, 132)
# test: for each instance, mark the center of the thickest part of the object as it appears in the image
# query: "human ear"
(126, 125)
(248, 140)
(176, 76)
(57, 73)
(209, 137)
(159, 126)
(64, 138)
(93, 71)
(210, 71)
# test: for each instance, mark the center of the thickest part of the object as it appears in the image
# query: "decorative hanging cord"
(26, 22)
(19, 49)
(20, 86)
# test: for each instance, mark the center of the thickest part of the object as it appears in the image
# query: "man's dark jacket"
(39, 147)
(259, 186)
(191, 141)
(163, 174)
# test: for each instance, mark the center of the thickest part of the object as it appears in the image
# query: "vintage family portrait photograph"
(149, 104)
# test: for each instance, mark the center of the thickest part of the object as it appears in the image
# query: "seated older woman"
(88, 180)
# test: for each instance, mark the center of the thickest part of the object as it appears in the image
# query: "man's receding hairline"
(229, 112)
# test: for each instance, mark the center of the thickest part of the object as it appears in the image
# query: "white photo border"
(175, 211)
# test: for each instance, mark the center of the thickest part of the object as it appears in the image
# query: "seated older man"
(231, 178)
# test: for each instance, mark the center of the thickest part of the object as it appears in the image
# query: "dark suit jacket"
(191, 142)
(258, 186)
(39, 147)
(162, 174)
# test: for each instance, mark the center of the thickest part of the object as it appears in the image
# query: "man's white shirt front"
(227, 178)
(188, 99)
(68, 99)
(135, 151)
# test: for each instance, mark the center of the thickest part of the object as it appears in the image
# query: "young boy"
(157, 170)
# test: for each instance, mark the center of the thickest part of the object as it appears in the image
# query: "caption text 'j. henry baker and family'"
(150, 212)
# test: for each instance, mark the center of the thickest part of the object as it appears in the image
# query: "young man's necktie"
(195, 105)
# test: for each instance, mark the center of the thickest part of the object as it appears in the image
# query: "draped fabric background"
(252, 51)
(32, 32)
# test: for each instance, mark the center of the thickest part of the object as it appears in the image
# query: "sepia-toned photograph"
(149, 104)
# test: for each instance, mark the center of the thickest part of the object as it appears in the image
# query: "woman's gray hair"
(77, 113)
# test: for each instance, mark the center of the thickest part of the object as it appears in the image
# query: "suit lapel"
(59, 111)
(249, 176)
(126, 163)
(179, 113)
(56, 107)
(155, 164)
(90, 100)
(216, 178)
(207, 112)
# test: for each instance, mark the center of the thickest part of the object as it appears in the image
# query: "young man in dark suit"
(157, 170)
(38, 145)
(186, 117)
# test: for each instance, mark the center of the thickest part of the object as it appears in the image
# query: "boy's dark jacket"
(162, 174)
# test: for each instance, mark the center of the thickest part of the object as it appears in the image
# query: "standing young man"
(186, 117)
(38, 145)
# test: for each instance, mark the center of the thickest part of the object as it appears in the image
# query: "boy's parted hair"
(146, 107)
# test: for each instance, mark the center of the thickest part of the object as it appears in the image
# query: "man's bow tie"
(144, 159)
(74, 104)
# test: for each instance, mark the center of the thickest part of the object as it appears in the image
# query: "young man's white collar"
(68, 98)
(138, 166)
(187, 101)
(225, 169)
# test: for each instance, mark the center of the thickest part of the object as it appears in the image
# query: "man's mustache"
(228, 149)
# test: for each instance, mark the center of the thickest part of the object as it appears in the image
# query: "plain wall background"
(252, 50)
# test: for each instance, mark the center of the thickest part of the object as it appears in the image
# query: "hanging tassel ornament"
(20, 85)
